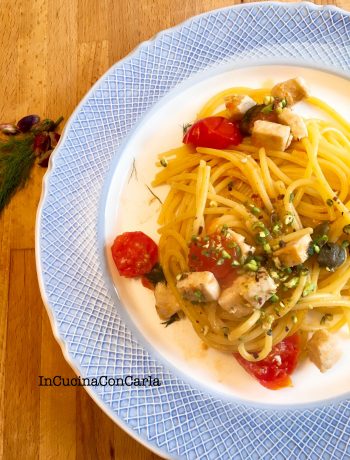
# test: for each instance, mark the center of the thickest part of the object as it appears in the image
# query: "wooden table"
(51, 52)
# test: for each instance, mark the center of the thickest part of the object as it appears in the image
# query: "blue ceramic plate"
(181, 418)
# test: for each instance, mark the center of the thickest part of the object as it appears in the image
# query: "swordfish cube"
(199, 287)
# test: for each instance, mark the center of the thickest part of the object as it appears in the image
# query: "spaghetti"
(250, 190)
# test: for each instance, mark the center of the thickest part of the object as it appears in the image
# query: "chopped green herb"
(345, 244)
(133, 171)
(291, 197)
(294, 319)
(225, 255)
(164, 162)
(346, 229)
(235, 263)
(225, 331)
(326, 317)
(274, 298)
(320, 230)
(155, 196)
(267, 248)
(220, 261)
(171, 320)
(329, 202)
(198, 294)
(156, 275)
(185, 127)
(224, 230)
(303, 270)
(267, 109)
(309, 288)
(264, 233)
(321, 240)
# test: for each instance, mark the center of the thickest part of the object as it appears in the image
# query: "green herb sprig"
(16, 161)
(20, 145)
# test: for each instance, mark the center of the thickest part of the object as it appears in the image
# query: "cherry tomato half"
(213, 132)
(134, 254)
(214, 253)
(273, 371)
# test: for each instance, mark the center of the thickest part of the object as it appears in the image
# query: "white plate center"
(130, 206)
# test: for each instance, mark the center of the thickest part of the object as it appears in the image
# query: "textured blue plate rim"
(101, 230)
(45, 187)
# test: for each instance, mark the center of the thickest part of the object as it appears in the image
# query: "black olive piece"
(331, 255)
(320, 230)
(253, 114)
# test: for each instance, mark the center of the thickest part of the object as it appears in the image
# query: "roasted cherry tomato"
(213, 132)
(273, 371)
(214, 253)
(134, 254)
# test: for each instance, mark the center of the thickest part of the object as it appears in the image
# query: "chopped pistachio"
(268, 100)
(274, 275)
(292, 282)
(267, 248)
(254, 209)
(310, 287)
(252, 265)
(225, 255)
(288, 219)
(303, 270)
(258, 225)
(274, 298)
(220, 261)
(276, 228)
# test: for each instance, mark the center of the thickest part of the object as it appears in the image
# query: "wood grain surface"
(51, 52)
